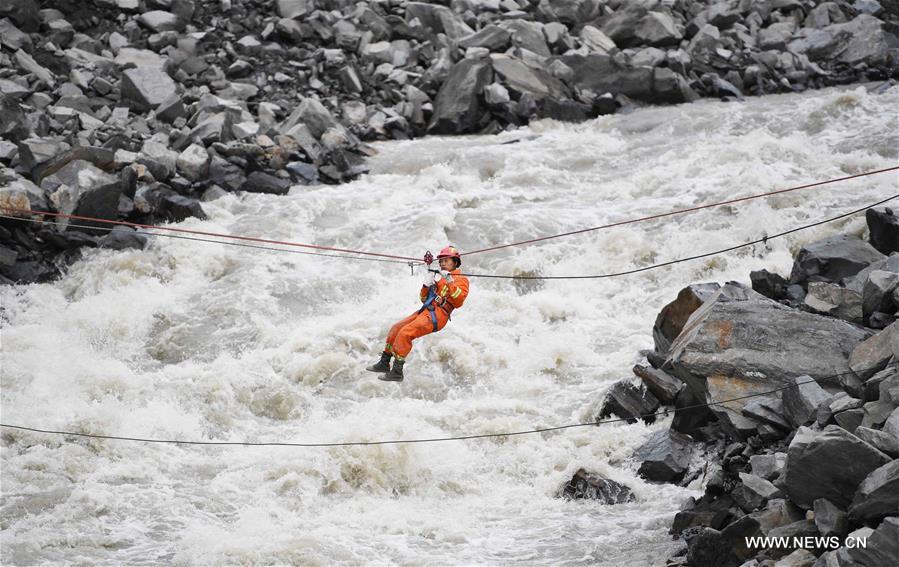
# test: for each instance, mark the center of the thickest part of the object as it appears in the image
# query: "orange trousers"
(402, 333)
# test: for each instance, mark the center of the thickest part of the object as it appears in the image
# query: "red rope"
(679, 211)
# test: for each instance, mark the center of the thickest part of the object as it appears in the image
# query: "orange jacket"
(450, 295)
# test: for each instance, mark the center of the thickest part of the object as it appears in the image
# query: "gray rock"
(658, 29)
(492, 37)
(740, 343)
(627, 401)
(881, 440)
(830, 519)
(832, 259)
(457, 109)
(160, 21)
(496, 95)
(295, 8)
(828, 464)
(438, 19)
(873, 354)
(589, 486)
(665, 456)
(801, 401)
(860, 40)
(858, 281)
(876, 413)
(193, 162)
(892, 424)
(146, 87)
(314, 115)
(884, 228)
(798, 558)
(261, 182)
(671, 319)
(754, 492)
(776, 36)
(830, 299)
(594, 40)
(771, 285)
(878, 495)
(622, 24)
(527, 35)
(661, 384)
(768, 466)
(877, 295)
(23, 13)
(82, 189)
(12, 37)
(34, 152)
(122, 238)
(520, 78)
(849, 419)
(769, 410)
(569, 12)
(28, 63)
(882, 546)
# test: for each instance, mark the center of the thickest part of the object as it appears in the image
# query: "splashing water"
(196, 341)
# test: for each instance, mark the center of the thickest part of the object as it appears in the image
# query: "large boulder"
(661, 384)
(527, 35)
(658, 29)
(518, 77)
(801, 401)
(457, 108)
(601, 73)
(831, 299)
(862, 40)
(878, 494)
(884, 229)
(82, 189)
(672, 318)
(882, 546)
(629, 402)
(665, 456)
(832, 259)
(828, 464)
(877, 295)
(873, 354)
(740, 343)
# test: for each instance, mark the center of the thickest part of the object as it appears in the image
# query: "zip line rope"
(762, 240)
(682, 211)
(432, 439)
(417, 260)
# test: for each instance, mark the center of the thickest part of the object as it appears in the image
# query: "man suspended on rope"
(441, 292)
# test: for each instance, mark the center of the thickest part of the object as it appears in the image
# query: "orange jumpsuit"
(450, 295)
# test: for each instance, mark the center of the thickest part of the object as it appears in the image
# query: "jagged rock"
(832, 259)
(261, 182)
(768, 466)
(28, 63)
(658, 29)
(457, 109)
(313, 115)
(754, 492)
(146, 87)
(858, 281)
(878, 494)
(627, 401)
(527, 35)
(884, 229)
(671, 319)
(599, 73)
(882, 546)
(193, 162)
(881, 440)
(596, 41)
(492, 37)
(861, 39)
(691, 413)
(568, 12)
(82, 189)
(661, 384)
(622, 25)
(778, 513)
(584, 485)
(767, 409)
(295, 8)
(830, 519)
(23, 13)
(520, 78)
(739, 343)
(877, 295)
(830, 299)
(776, 36)
(12, 37)
(828, 464)
(849, 419)
(873, 354)
(801, 401)
(122, 238)
(438, 19)
(772, 286)
(665, 456)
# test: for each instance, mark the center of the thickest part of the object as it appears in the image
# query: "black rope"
(432, 439)
(763, 240)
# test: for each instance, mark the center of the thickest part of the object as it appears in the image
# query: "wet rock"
(146, 88)
(659, 383)
(828, 464)
(589, 486)
(457, 108)
(832, 259)
(627, 401)
(122, 238)
(884, 228)
(801, 401)
(665, 456)
(82, 189)
(772, 286)
(261, 182)
(878, 495)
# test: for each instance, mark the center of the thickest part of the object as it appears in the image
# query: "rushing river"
(196, 341)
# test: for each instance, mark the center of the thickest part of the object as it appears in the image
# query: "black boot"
(396, 373)
(382, 365)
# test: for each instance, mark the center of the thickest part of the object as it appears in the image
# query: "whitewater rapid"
(196, 341)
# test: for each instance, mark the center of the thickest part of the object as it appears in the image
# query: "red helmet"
(451, 252)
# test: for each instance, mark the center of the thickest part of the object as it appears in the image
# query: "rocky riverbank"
(818, 456)
(139, 110)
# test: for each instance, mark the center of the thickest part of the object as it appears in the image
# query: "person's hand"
(446, 275)
(428, 278)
